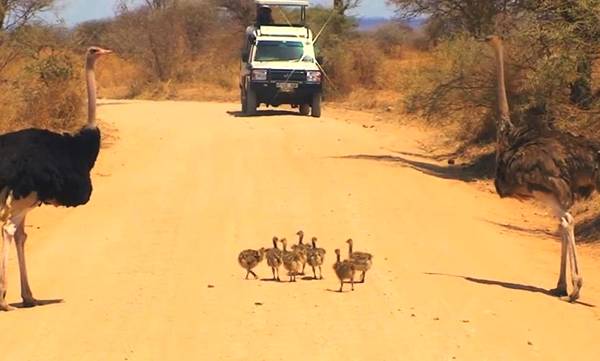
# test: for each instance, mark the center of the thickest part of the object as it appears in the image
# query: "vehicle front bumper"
(268, 93)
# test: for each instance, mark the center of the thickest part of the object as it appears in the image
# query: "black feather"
(560, 164)
(56, 166)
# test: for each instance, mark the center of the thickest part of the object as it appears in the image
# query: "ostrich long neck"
(350, 249)
(504, 125)
(90, 79)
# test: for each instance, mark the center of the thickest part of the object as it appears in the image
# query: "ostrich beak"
(105, 52)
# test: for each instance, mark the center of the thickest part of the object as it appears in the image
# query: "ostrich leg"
(6, 239)
(576, 278)
(561, 286)
(20, 238)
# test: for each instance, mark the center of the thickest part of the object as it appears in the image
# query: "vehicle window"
(268, 50)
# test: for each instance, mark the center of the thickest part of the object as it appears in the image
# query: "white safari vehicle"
(279, 65)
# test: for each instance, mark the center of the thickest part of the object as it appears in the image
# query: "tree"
(241, 10)
(344, 5)
(16, 13)
(476, 17)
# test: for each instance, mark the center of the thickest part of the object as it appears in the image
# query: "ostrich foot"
(559, 291)
(577, 284)
(5, 307)
(31, 302)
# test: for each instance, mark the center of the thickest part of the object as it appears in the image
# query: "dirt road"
(186, 186)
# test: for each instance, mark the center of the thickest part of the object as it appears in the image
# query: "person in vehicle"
(264, 16)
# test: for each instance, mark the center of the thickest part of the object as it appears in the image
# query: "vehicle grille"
(288, 75)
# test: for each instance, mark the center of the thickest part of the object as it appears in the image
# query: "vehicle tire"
(304, 109)
(316, 105)
(251, 102)
(243, 101)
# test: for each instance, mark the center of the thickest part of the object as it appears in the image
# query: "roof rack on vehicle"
(284, 31)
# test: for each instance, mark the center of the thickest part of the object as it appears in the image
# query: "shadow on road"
(530, 231)
(509, 285)
(480, 168)
(263, 113)
(100, 104)
(39, 304)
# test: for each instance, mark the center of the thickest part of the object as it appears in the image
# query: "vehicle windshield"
(270, 50)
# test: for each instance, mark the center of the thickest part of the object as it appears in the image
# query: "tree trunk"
(339, 6)
(3, 13)
(581, 88)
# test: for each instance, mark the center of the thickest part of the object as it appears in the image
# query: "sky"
(75, 11)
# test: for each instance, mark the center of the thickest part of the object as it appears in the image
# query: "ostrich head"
(349, 241)
(95, 52)
(493, 40)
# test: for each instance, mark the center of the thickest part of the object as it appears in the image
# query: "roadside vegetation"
(440, 72)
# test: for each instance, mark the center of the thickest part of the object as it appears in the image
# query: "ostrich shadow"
(480, 168)
(588, 230)
(40, 303)
(338, 290)
(529, 231)
(508, 285)
(263, 113)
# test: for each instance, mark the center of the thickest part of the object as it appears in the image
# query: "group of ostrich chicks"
(295, 261)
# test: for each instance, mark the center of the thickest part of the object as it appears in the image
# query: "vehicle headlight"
(313, 76)
(259, 74)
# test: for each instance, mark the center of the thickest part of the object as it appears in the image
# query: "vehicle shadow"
(263, 113)
(508, 285)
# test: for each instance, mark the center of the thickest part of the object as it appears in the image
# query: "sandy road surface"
(186, 186)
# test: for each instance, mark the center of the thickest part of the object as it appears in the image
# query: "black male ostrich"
(38, 166)
(539, 162)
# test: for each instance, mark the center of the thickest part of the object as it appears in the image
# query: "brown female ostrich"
(555, 167)
(38, 166)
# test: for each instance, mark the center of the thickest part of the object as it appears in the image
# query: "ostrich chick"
(344, 270)
(301, 249)
(249, 259)
(274, 259)
(362, 260)
(291, 261)
(315, 258)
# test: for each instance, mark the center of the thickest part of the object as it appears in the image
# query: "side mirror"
(244, 57)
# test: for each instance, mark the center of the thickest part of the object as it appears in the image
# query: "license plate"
(287, 87)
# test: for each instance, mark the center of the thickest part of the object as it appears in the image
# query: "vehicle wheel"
(304, 109)
(316, 105)
(251, 102)
(243, 101)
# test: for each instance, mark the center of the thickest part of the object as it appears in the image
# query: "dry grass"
(44, 91)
